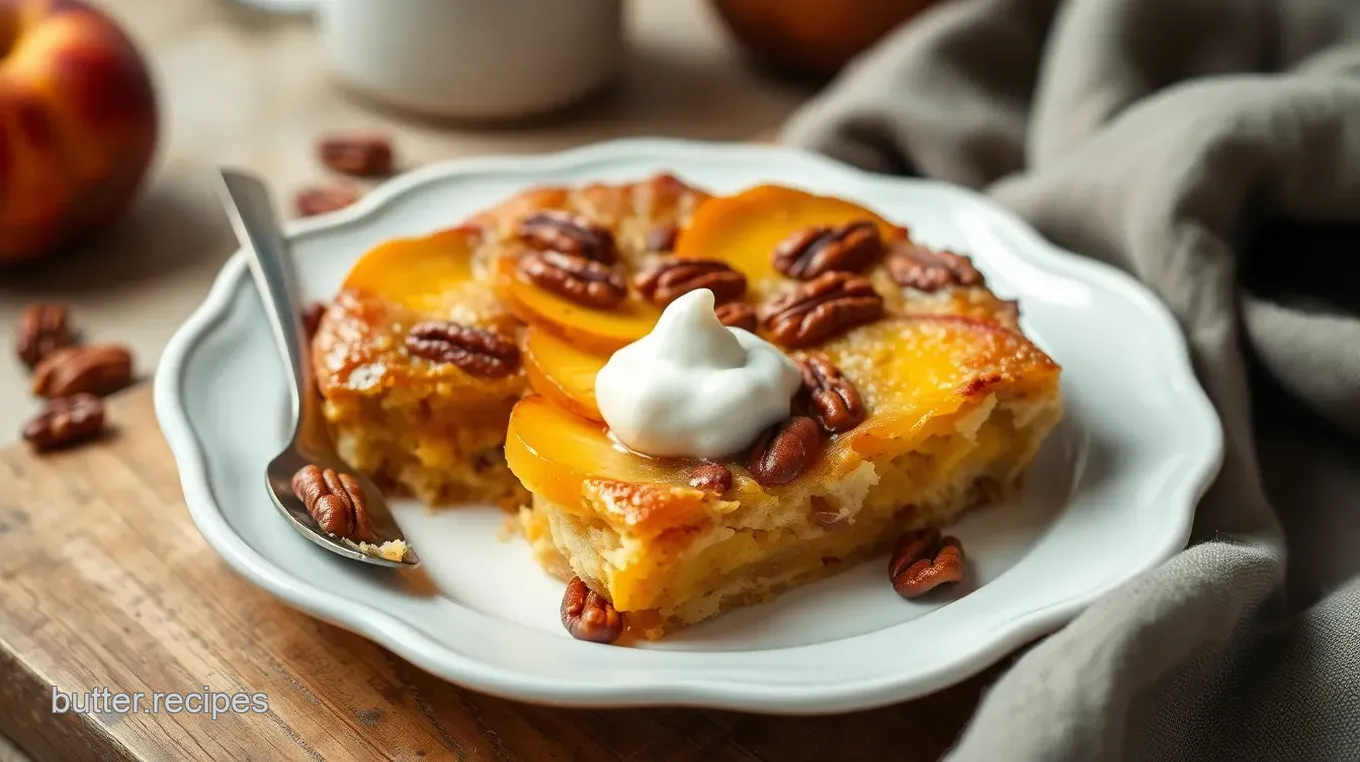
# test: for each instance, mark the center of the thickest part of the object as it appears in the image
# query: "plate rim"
(409, 643)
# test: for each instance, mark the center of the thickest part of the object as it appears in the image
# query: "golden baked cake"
(915, 396)
(417, 358)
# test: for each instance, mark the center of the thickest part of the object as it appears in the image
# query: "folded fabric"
(1212, 149)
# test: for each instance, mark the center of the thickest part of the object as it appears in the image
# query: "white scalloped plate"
(1112, 494)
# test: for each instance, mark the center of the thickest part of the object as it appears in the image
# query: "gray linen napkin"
(1212, 149)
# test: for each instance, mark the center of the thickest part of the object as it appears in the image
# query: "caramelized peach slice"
(914, 372)
(596, 330)
(562, 371)
(743, 230)
(430, 274)
(554, 451)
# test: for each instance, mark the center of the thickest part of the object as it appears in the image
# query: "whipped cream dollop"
(694, 387)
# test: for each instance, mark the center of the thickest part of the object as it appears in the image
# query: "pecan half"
(823, 248)
(915, 266)
(580, 279)
(711, 477)
(66, 421)
(587, 615)
(923, 561)
(669, 279)
(825, 306)
(336, 502)
(785, 451)
(661, 238)
(43, 328)
(737, 315)
(358, 154)
(311, 317)
(478, 351)
(833, 400)
(570, 234)
(323, 199)
(96, 369)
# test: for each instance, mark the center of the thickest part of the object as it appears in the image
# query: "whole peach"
(78, 123)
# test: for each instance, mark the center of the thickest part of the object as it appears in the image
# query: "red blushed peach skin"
(78, 123)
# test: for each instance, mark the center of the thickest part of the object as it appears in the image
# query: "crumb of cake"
(392, 550)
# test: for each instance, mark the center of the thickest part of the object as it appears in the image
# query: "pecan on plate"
(825, 248)
(923, 561)
(324, 199)
(336, 502)
(711, 477)
(822, 308)
(671, 278)
(587, 615)
(580, 279)
(357, 154)
(66, 421)
(737, 315)
(569, 233)
(96, 369)
(834, 401)
(915, 266)
(785, 451)
(478, 351)
(661, 238)
(43, 328)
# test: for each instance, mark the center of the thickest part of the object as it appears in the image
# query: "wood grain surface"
(107, 584)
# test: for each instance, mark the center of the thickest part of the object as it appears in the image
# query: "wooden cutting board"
(108, 585)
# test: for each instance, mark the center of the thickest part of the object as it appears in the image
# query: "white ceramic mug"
(472, 59)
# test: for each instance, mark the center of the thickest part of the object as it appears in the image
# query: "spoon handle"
(251, 209)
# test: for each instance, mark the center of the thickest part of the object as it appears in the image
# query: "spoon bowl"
(251, 210)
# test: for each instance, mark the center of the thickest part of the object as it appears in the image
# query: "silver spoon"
(248, 204)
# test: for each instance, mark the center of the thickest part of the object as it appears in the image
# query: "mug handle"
(288, 7)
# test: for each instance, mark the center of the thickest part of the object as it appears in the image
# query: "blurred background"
(113, 114)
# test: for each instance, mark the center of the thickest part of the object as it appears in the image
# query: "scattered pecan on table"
(820, 249)
(43, 328)
(822, 308)
(579, 279)
(323, 199)
(66, 421)
(670, 279)
(785, 451)
(831, 397)
(98, 369)
(737, 315)
(477, 351)
(913, 266)
(587, 615)
(336, 502)
(361, 154)
(569, 233)
(711, 477)
(923, 561)
(661, 238)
